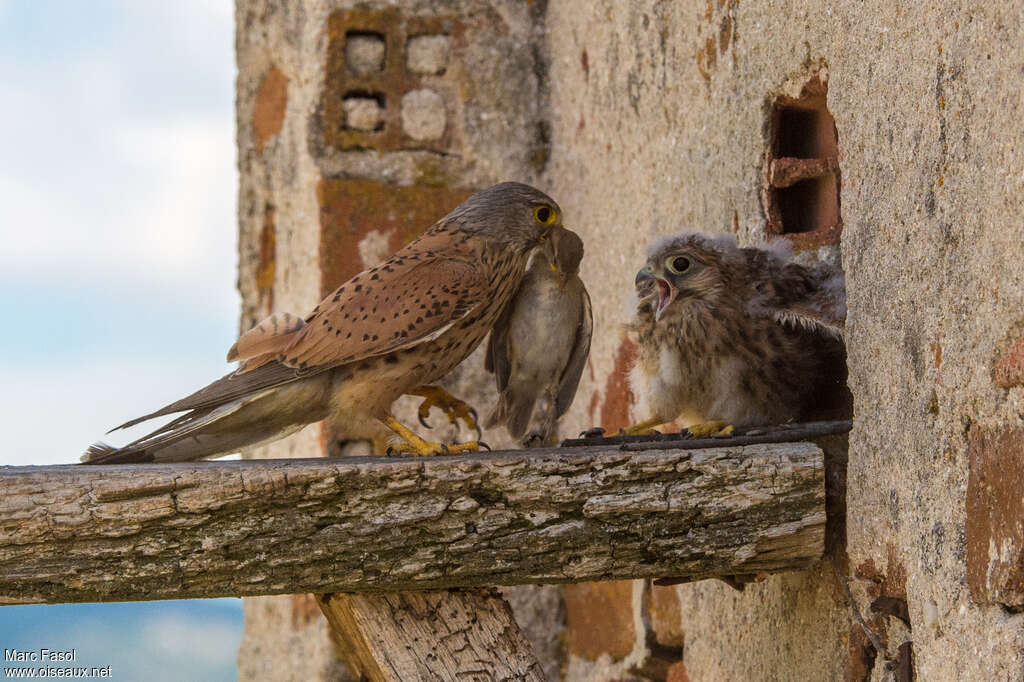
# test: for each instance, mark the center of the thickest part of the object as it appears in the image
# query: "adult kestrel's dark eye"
(545, 215)
(677, 264)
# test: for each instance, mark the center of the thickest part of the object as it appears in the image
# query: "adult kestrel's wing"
(578, 360)
(813, 298)
(414, 296)
(266, 337)
(227, 389)
(389, 308)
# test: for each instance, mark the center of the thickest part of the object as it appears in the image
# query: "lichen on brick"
(271, 103)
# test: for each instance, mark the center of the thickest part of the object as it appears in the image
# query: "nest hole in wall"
(801, 168)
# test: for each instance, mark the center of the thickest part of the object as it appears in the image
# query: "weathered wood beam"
(209, 529)
(441, 635)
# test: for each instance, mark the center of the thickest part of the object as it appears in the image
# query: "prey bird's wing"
(580, 352)
(813, 298)
(496, 359)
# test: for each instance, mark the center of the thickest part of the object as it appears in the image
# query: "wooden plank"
(209, 529)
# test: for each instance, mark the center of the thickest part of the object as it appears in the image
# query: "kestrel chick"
(736, 336)
(390, 330)
(540, 344)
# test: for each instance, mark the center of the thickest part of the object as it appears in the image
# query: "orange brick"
(268, 113)
(995, 507)
(677, 673)
(617, 396)
(1009, 370)
(267, 266)
(664, 615)
(351, 209)
(304, 610)
(599, 619)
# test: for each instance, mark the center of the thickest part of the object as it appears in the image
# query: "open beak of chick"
(656, 289)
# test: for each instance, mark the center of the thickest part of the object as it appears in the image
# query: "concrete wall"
(650, 136)
(455, 93)
(644, 118)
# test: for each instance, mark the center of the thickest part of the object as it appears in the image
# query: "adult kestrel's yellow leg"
(455, 409)
(712, 428)
(414, 445)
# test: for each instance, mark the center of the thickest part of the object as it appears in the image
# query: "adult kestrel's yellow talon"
(710, 429)
(455, 409)
(414, 445)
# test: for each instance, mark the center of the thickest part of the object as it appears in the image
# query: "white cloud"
(118, 184)
(179, 635)
(118, 161)
(52, 413)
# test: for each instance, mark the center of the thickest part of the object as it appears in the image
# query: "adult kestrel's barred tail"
(539, 346)
(738, 336)
(388, 331)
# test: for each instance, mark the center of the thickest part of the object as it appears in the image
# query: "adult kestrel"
(539, 346)
(390, 330)
(736, 336)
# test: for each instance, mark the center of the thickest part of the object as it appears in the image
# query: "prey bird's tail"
(513, 409)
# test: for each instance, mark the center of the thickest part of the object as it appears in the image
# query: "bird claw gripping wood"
(431, 449)
(454, 409)
(644, 428)
(411, 444)
(710, 429)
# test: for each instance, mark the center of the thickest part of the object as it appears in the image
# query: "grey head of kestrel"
(738, 336)
(539, 346)
(393, 329)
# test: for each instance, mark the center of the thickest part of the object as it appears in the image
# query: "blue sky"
(117, 268)
(118, 191)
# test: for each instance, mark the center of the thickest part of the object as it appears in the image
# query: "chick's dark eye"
(678, 264)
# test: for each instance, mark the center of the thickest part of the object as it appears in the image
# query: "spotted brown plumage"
(742, 336)
(387, 331)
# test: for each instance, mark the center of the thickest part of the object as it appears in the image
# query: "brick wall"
(644, 118)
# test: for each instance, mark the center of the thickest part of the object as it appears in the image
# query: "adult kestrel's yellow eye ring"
(545, 215)
(677, 265)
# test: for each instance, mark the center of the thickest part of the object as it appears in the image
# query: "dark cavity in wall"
(801, 169)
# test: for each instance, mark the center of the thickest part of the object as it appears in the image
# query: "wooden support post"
(445, 635)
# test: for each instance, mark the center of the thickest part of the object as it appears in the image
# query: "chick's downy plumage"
(741, 335)
(395, 327)
(539, 346)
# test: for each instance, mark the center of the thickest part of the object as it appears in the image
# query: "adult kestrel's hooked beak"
(666, 291)
(560, 274)
(547, 246)
(549, 249)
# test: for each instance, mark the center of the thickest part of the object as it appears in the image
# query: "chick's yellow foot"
(710, 429)
(644, 428)
(414, 445)
(454, 409)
